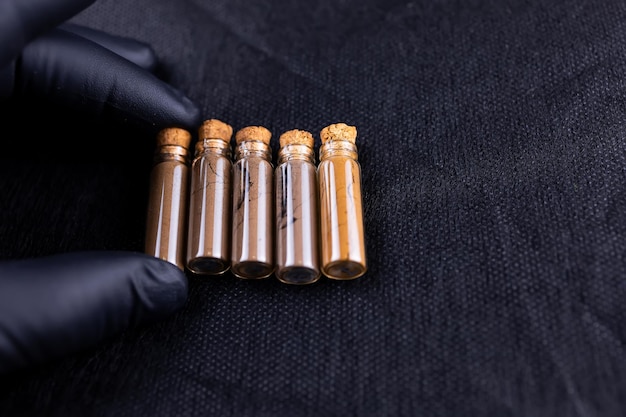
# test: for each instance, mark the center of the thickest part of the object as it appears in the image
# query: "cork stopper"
(296, 137)
(215, 129)
(338, 131)
(173, 136)
(253, 133)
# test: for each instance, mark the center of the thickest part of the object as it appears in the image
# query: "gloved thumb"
(61, 304)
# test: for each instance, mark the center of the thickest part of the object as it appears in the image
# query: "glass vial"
(167, 202)
(341, 213)
(295, 179)
(208, 243)
(253, 205)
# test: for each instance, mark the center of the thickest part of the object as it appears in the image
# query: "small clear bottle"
(295, 179)
(208, 243)
(167, 202)
(252, 246)
(341, 213)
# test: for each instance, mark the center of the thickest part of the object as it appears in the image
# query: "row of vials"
(217, 210)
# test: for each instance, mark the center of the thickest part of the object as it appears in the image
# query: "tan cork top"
(258, 133)
(215, 129)
(296, 137)
(174, 136)
(338, 131)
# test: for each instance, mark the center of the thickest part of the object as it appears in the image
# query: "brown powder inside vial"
(252, 247)
(341, 213)
(297, 253)
(208, 244)
(166, 226)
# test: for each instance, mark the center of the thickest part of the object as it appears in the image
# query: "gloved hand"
(56, 305)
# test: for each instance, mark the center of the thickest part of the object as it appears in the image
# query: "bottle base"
(252, 270)
(344, 270)
(298, 275)
(208, 266)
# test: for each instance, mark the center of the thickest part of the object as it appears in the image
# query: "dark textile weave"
(493, 148)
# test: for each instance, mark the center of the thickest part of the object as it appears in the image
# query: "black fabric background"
(491, 138)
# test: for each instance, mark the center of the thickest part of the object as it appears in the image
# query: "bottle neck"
(213, 146)
(171, 153)
(338, 148)
(296, 152)
(247, 149)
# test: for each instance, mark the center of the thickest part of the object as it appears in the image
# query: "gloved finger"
(23, 20)
(135, 51)
(57, 305)
(71, 71)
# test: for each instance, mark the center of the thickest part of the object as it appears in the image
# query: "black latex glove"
(61, 304)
